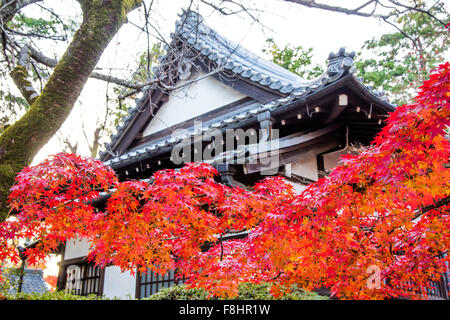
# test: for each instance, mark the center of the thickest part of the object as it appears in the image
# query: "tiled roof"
(234, 57)
(237, 59)
(33, 282)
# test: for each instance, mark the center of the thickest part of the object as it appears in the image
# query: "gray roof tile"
(33, 282)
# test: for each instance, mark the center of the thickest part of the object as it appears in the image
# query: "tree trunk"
(20, 142)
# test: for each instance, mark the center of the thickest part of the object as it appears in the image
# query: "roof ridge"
(211, 44)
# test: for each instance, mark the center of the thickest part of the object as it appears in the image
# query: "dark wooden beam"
(142, 118)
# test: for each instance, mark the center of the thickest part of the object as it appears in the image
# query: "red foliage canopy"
(380, 220)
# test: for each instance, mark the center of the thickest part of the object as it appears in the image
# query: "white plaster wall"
(76, 248)
(332, 159)
(191, 101)
(116, 283)
(306, 165)
(119, 284)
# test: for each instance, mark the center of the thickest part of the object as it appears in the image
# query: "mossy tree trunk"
(20, 142)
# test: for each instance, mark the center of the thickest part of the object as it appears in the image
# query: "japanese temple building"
(216, 102)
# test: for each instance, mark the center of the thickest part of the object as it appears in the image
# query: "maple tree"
(384, 210)
(51, 282)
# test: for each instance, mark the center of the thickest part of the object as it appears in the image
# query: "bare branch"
(49, 62)
(169, 87)
(365, 5)
(357, 11)
(37, 35)
(418, 9)
(397, 8)
(9, 8)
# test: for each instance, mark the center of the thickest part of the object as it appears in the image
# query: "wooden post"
(22, 267)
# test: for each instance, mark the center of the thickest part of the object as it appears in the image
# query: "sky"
(285, 22)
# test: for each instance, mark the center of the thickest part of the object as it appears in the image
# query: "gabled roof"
(234, 57)
(244, 65)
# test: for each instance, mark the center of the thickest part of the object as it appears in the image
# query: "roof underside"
(364, 113)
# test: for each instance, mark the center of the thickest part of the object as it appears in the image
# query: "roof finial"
(190, 16)
(189, 21)
(340, 62)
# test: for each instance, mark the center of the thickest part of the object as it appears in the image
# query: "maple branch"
(9, 9)
(365, 5)
(437, 204)
(278, 275)
(414, 42)
(217, 70)
(221, 248)
(171, 238)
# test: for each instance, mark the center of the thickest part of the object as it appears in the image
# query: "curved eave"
(369, 94)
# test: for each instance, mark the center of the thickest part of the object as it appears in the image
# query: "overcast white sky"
(286, 23)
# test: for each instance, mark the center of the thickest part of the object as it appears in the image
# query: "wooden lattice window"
(435, 289)
(151, 282)
(82, 278)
